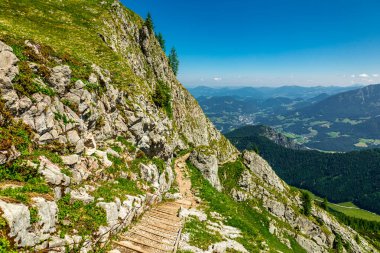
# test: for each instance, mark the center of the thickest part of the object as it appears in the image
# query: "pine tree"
(161, 40)
(149, 22)
(173, 61)
(325, 204)
(307, 203)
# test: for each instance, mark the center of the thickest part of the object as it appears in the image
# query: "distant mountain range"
(325, 118)
(341, 177)
(269, 92)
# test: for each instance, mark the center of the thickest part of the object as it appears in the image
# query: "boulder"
(207, 163)
(52, 172)
(8, 65)
(60, 78)
(18, 220)
(47, 211)
(150, 174)
(81, 195)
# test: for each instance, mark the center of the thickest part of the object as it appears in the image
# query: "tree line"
(172, 57)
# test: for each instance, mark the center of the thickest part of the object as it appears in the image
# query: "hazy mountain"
(268, 92)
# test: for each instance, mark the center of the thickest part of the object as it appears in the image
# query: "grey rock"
(18, 219)
(81, 195)
(52, 172)
(150, 174)
(70, 159)
(262, 169)
(207, 163)
(47, 211)
(8, 65)
(60, 78)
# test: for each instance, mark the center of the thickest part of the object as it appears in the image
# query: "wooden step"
(168, 216)
(148, 244)
(131, 246)
(163, 221)
(158, 226)
(147, 237)
(155, 232)
(163, 210)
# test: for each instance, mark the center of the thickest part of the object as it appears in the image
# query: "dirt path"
(159, 229)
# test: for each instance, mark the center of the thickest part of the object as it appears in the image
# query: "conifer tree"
(173, 61)
(161, 40)
(149, 22)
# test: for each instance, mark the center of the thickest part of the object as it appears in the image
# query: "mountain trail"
(159, 229)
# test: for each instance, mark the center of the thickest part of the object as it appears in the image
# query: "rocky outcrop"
(262, 169)
(207, 163)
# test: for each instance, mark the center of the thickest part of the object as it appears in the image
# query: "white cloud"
(364, 75)
(375, 75)
(217, 79)
(353, 76)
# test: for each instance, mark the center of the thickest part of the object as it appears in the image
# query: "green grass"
(22, 194)
(350, 209)
(253, 224)
(68, 27)
(122, 187)
(200, 235)
(85, 218)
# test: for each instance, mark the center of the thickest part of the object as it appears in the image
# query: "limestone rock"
(70, 159)
(18, 219)
(47, 211)
(81, 195)
(52, 172)
(262, 169)
(150, 174)
(8, 65)
(60, 78)
(208, 166)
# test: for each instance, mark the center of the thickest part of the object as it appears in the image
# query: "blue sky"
(270, 42)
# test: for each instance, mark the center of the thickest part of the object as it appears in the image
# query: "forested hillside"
(340, 177)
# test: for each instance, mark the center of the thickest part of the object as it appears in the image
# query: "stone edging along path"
(159, 229)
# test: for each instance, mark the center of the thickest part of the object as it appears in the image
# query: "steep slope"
(341, 177)
(91, 120)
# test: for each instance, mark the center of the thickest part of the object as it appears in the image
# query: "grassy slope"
(69, 26)
(253, 224)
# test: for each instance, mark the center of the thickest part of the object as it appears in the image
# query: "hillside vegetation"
(340, 177)
(92, 121)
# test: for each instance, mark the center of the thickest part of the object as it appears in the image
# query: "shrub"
(162, 98)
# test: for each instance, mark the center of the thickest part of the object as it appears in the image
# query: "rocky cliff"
(85, 147)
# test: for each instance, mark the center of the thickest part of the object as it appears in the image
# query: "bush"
(162, 98)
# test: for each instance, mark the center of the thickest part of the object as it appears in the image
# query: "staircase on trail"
(159, 229)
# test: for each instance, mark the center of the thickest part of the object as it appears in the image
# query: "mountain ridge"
(87, 147)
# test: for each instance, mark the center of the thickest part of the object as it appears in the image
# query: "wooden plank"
(130, 246)
(163, 221)
(160, 227)
(149, 245)
(158, 233)
(167, 216)
(147, 237)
